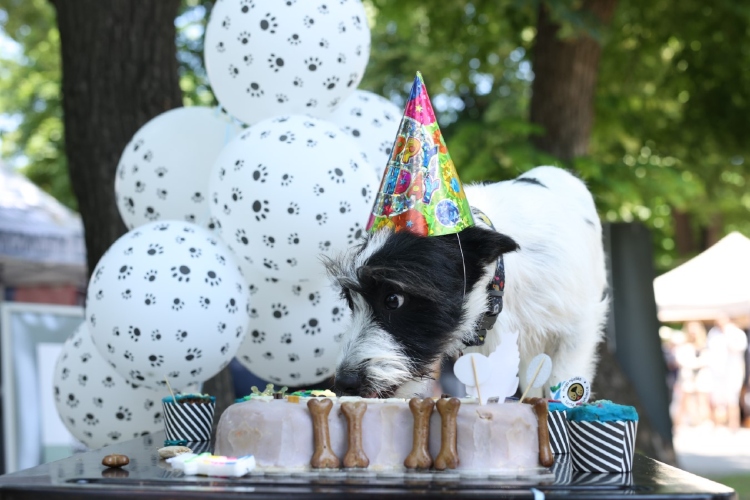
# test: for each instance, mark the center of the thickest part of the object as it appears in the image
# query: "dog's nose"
(348, 383)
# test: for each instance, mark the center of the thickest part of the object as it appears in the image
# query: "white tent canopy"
(41, 241)
(714, 282)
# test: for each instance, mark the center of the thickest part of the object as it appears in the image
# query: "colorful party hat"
(420, 191)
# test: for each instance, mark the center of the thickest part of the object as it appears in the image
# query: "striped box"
(557, 423)
(188, 421)
(602, 446)
(562, 469)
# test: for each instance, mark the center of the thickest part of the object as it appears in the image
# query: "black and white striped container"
(185, 421)
(602, 446)
(557, 423)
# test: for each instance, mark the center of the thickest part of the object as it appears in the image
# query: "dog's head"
(412, 299)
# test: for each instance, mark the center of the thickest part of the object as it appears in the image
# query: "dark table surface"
(148, 477)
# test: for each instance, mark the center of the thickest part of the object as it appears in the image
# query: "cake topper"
(420, 191)
(572, 392)
(497, 374)
(538, 372)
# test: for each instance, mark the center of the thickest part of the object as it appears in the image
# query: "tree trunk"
(119, 67)
(683, 233)
(564, 83)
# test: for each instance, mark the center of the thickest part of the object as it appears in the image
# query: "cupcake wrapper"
(191, 422)
(562, 469)
(599, 479)
(602, 446)
(557, 423)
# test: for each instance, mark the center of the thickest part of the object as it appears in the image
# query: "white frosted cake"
(280, 434)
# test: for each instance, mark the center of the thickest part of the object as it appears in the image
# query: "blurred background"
(645, 101)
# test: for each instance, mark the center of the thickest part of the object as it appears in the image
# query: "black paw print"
(323, 43)
(212, 278)
(286, 179)
(323, 9)
(150, 275)
(135, 333)
(246, 5)
(313, 63)
(293, 239)
(338, 337)
(161, 193)
(116, 332)
(337, 175)
(275, 63)
(100, 294)
(294, 376)
(137, 145)
(156, 335)
(204, 302)
(161, 227)
(314, 298)
(139, 186)
(108, 382)
(236, 194)
(286, 338)
(181, 335)
(226, 22)
(221, 259)
(357, 22)
(354, 165)
(341, 59)
(232, 306)
(161, 171)
(129, 204)
(195, 372)
(151, 213)
(355, 233)
(366, 193)
(308, 21)
(124, 272)
(177, 304)
(321, 218)
(318, 189)
(311, 143)
(98, 402)
(225, 348)
(238, 332)
(222, 327)
(352, 78)
(182, 273)
(268, 355)
(330, 134)
(293, 357)
(247, 359)
(72, 400)
(312, 327)
(197, 197)
(337, 314)
(287, 137)
(298, 82)
(90, 419)
(243, 37)
(128, 355)
(254, 90)
(324, 246)
(248, 59)
(194, 252)
(148, 404)
(279, 310)
(257, 336)
(241, 237)
(269, 264)
(260, 173)
(281, 98)
(253, 312)
(321, 371)
(226, 209)
(82, 379)
(253, 289)
(292, 261)
(192, 354)
(269, 241)
(233, 71)
(342, 27)
(174, 374)
(294, 39)
(123, 414)
(110, 348)
(261, 209)
(318, 352)
(149, 300)
(330, 82)
(268, 23)
(156, 359)
(311, 103)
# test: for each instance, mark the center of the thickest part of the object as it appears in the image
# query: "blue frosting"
(602, 411)
(556, 406)
(179, 397)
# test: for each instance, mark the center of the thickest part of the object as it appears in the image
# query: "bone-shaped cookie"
(447, 458)
(539, 405)
(420, 458)
(323, 457)
(355, 455)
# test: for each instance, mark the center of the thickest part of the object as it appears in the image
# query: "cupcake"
(602, 437)
(557, 423)
(188, 417)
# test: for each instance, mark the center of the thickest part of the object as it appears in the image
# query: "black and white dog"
(417, 299)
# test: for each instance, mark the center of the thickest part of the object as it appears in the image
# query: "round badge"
(575, 391)
(447, 213)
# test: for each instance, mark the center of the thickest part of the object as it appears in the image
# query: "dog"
(415, 300)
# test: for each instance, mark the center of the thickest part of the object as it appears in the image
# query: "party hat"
(420, 191)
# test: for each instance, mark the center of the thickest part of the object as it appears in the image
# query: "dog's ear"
(484, 245)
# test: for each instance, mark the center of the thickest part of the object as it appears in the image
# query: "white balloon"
(295, 331)
(287, 190)
(272, 57)
(163, 171)
(167, 300)
(96, 404)
(372, 121)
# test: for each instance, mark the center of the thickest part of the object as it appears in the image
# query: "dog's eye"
(394, 301)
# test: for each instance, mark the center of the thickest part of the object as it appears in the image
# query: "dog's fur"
(555, 294)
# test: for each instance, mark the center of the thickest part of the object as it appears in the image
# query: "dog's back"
(556, 282)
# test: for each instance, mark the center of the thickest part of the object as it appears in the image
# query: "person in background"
(693, 405)
(726, 345)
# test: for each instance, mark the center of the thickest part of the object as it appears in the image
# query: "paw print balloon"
(372, 121)
(154, 302)
(272, 57)
(163, 171)
(295, 331)
(95, 403)
(288, 190)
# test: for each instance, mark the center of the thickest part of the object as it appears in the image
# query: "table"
(148, 477)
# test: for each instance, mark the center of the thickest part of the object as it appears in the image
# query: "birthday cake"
(294, 433)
